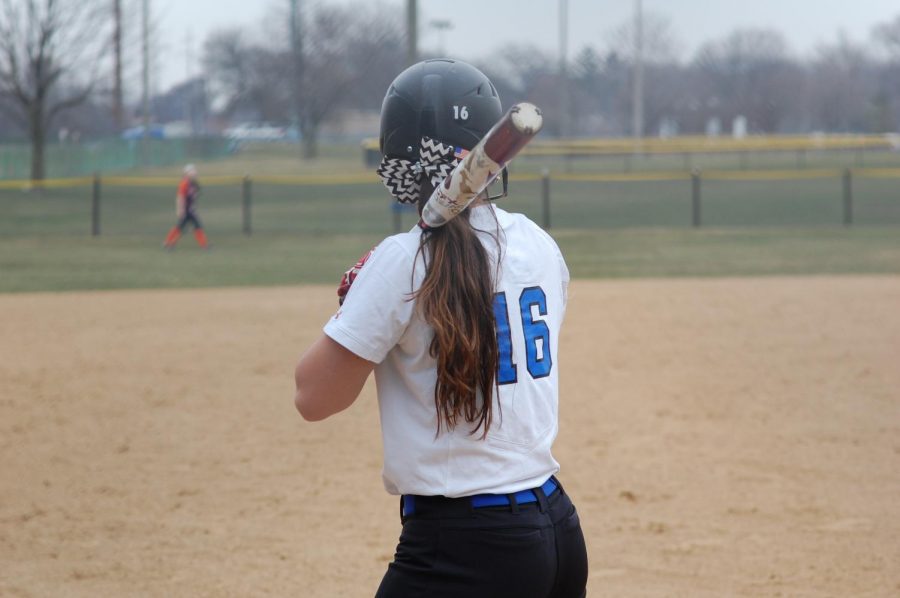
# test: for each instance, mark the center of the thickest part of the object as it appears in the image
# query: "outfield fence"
(121, 205)
(687, 153)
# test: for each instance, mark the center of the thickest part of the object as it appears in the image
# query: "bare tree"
(48, 62)
(344, 46)
(601, 94)
(660, 44)
(348, 59)
(888, 35)
(523, 63)
(231, 63)
(651, 51)
(383, 61)
(524, 72)
(842, 82)
(749, 73)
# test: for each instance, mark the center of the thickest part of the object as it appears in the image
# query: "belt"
(480, 501)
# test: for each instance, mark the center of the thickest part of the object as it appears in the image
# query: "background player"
(185, 208)
(461, 326)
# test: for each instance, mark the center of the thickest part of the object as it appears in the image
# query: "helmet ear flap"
(425, 192)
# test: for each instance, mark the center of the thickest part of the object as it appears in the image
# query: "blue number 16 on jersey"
(536, 332)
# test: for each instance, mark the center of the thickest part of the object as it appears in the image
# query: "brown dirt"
(720, 438)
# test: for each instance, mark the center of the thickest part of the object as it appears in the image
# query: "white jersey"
(379, 322)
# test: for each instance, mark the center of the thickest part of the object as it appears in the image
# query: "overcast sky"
(480, 26)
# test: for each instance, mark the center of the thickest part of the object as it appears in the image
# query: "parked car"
(256, 132)
(154, 131)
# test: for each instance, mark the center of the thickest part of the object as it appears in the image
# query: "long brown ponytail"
(456, 300)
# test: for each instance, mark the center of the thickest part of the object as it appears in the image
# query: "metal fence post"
(695, 198)
(247, 197)
(545, 197)
(848, 197)
(95, 206)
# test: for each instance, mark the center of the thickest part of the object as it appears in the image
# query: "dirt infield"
(720, 438)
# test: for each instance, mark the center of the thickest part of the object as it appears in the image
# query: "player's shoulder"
(525, 225)
(395, 256)
(513, 219)
(402, 243)
(530, 248)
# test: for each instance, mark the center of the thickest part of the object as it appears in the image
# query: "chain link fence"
(112, 205)
(63, 160)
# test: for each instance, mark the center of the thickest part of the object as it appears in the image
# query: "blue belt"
(479, 501)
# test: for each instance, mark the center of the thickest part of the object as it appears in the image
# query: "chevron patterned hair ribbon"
(403, 178)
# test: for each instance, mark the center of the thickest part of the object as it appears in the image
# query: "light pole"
(297, 65)
(118, 111)
(441, 25)
(145, 66)
(637, 123)
(412, 32)
(563, 67)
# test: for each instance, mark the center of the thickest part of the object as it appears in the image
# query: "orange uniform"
(186, 198)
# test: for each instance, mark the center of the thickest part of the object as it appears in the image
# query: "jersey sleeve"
(182, 188)
(564, 276)
(377, 309)
(561, 261)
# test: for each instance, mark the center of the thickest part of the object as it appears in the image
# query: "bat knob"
(527, 118)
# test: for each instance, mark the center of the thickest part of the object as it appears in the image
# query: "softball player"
(461, 326)
(185, 208)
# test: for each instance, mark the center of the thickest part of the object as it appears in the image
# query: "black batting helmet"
(447, 100)
(432, 110)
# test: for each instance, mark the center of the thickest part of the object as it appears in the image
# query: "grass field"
(311, 233)
(57, 263)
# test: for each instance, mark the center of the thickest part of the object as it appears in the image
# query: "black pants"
(189, 217)
(447, 548)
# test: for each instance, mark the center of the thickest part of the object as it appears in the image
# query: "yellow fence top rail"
(613, 177)
(318, 179)
(771, 175)
(700, 144)
(27, 184)
(710, 144)
(370, 178)
(146, 181)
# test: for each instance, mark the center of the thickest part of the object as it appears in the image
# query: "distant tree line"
(307, 70)
(341, 58)
(352, 54)
(843, 87)
(48, 65)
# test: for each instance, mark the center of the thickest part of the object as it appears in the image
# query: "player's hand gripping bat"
(482, 165)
